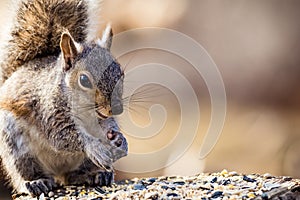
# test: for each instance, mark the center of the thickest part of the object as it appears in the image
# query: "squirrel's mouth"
(100, 115)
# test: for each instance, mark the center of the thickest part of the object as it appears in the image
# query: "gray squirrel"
(60, 87)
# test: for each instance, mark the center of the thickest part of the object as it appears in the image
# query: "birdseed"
(223, 185)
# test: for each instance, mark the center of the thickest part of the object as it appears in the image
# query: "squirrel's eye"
(84, 81)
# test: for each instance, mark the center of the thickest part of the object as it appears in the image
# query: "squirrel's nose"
(117, 108)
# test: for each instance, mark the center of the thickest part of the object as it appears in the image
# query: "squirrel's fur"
(59, 88)
(37, 26)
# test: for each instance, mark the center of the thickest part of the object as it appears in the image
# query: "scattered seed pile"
(222, 185)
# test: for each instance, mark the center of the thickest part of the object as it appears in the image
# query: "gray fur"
(51, 126)
(55, 129)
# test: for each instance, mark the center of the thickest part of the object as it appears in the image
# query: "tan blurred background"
(255, 45)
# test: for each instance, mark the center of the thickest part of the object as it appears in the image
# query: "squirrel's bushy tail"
(37, 28)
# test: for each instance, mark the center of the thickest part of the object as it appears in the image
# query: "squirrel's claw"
(37, 187)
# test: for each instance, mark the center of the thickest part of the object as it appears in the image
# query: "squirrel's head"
(93, 75)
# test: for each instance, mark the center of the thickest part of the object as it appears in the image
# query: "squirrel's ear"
(69, 49)
(106, 39)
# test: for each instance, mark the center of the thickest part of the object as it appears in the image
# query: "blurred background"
(256, 46)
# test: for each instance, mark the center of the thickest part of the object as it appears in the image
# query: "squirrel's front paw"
(39, 186)
(103, 178)
(118, 144)
(98, 178)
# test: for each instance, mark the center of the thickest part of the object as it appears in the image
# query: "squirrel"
(60, 89)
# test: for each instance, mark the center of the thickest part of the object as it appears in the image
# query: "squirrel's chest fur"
(54, 162)
(57, 163)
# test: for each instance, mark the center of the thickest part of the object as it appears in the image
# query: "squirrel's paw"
(119, 146)
(37, 187)
(98, 178)
(104, 178)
